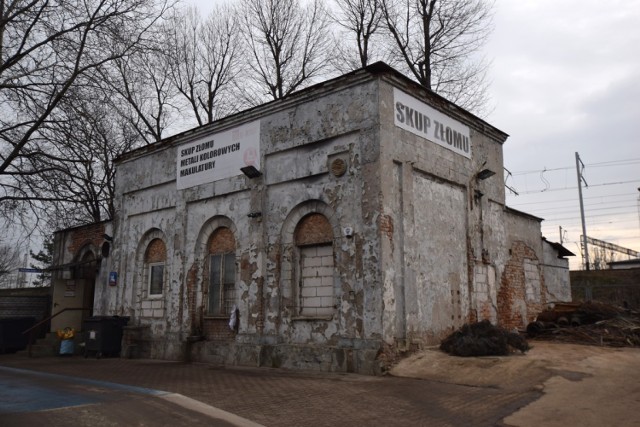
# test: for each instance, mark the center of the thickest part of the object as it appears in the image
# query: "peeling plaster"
(423, 256)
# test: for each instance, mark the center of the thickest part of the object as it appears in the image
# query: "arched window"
(222, 272)
(314, 238)
(154, 259)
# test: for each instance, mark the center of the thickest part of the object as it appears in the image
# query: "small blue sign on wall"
(113, 278)
(30, 270)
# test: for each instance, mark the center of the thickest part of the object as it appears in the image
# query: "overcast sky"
(566, 78)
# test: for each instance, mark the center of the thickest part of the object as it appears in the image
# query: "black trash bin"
(103, 335)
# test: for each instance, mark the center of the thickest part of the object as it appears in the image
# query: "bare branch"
(204, 60)
(288, 44)
(437, 40)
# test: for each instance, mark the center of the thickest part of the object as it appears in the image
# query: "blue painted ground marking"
(20, 393)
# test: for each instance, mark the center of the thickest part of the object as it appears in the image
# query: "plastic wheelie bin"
(103, 335)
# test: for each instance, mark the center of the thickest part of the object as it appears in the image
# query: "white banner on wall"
(218, 156)
(422, 120)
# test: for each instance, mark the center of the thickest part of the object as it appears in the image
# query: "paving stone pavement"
(278, 397)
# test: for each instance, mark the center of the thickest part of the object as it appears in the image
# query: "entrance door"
(87, 272)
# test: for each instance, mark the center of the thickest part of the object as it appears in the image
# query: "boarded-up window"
(222, 272)
(314, 237)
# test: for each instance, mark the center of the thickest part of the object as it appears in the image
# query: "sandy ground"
(582, 385)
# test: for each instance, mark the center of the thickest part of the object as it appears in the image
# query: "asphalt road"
(29, 398)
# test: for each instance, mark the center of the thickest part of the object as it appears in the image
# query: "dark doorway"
(86, 279)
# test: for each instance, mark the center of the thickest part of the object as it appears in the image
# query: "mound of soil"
(483, 339)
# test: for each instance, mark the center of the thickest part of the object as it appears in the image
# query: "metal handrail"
(42, 322)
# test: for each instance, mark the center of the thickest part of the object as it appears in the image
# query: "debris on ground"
(591, 323)
(483, 339)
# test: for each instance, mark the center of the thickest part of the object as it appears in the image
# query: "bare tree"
(437, 41)
(600, 257)
(46, 48)
(82, 142)
(361, 21)
(9, 260)
(204, 60)
(141, 91)
(288, 45)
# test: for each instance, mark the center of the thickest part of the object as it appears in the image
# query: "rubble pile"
(483, 339)
(591, 323)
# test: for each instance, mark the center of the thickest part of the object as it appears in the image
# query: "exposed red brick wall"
(486, 311)
(385, 224)
(218, 330)
(156, 252)
(81, 236)
(313, 229)
(221, 241)
(512, 289)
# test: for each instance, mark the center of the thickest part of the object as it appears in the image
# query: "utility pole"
(585, 250)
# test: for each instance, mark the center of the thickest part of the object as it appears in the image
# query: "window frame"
(221, 311)
(150, 267)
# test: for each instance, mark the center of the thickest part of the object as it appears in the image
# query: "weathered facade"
(369, 223)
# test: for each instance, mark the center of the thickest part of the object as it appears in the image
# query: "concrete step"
(40, 350)
(50, 346)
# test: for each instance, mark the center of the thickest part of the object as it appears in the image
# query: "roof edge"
(352, 78)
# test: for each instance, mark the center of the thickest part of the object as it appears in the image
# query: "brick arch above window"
(85, 253)
(300, 212)
(156, 251)
(149, 237)
(221, 241)
(205, 236)
(313, 229)
(86, 258)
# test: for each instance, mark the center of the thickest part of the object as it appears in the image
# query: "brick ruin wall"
(516, 306)
(89, 234)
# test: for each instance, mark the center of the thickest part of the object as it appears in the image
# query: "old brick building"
(361, 215)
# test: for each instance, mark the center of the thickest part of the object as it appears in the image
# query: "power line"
(626, 225)
(575, 188)
(568, 200)
(625, 162)
(552, 224)
(593, 216)
(560, 210)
